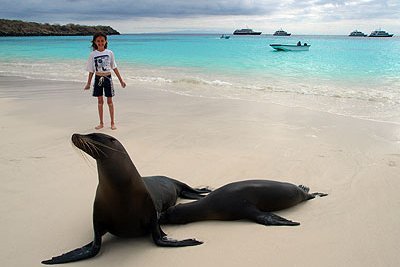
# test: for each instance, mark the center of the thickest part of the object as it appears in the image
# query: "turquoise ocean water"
(350, 76)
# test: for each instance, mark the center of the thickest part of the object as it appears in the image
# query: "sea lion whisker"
(91, 146)
(83, 155)
(97, 149)
(86, 158)
(94, 146)
(87, 145)
(81, 151)
(103, 145)
(84, 146)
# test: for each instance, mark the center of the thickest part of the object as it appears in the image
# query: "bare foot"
(113, 127)
(98, 127)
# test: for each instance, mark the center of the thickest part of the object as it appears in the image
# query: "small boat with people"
(281, 33)
(223, 36)
(380, 33)
(246, 31)
(357, 33)
(291, 47)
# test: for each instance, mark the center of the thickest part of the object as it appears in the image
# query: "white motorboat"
(290, 47)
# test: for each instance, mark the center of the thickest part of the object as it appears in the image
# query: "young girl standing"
(101, 62)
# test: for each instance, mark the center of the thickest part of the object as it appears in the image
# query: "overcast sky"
(137, 16)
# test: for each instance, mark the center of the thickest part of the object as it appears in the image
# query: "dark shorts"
(103, 83)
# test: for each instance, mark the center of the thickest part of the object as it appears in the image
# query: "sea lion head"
(98, 145)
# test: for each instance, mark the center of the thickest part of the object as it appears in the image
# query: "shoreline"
(220, 88)
(48, 187)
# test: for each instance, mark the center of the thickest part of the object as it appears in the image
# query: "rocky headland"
(22, 28)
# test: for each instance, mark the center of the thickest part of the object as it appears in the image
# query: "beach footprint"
(392, 163)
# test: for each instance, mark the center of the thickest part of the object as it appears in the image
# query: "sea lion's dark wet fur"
(254, 200)
(126, 205)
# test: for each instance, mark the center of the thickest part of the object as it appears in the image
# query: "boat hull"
(253, 33)
(358, 35)
(280, 47)
(389, 35)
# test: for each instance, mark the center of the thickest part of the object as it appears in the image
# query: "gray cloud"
(331, 10)
(101, 10)
(361, 9)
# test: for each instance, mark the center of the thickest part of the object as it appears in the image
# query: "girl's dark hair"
(97, 34)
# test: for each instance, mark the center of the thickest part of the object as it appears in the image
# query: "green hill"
(22, 28)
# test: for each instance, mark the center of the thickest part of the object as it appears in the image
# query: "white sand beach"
(48, 188)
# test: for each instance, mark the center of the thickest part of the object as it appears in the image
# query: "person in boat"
(298, 43)
(305, 44)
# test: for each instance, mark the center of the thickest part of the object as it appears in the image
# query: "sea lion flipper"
(269, 218)
(189, 192)
(194, 193)
(161, 239)
(88, 251)
(318, 194)
(170, 242)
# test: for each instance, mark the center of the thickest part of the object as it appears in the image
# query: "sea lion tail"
(318, 194)
(311, 195)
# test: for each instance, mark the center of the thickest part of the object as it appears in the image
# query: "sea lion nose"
(75, 137)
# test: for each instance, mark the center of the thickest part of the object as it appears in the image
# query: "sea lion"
(254, 200)
(125, 204)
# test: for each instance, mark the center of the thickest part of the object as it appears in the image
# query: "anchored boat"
(246, 31)
(281, 33)
(357, 33)
(380, 33)
(290, 47)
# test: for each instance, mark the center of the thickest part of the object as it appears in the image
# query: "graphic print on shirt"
(102, 63)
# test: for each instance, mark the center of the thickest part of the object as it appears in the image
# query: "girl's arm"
(89, 81)
(121, 81)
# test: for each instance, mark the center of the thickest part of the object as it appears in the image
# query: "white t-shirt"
(101, 62)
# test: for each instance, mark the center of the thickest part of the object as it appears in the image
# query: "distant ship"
(246, 32)
(281, 33)
(380, 33)
(357, 34)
